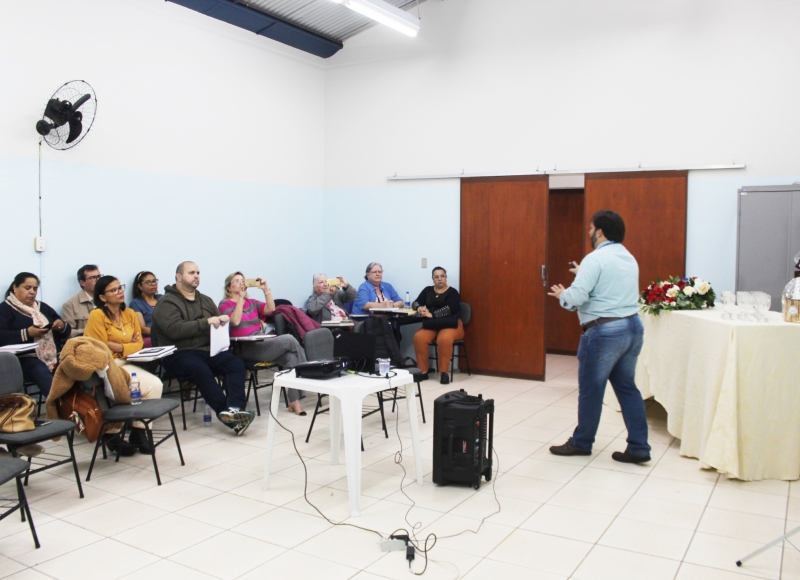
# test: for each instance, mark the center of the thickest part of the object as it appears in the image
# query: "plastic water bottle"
(207, 416)
(136, 394)
(408, 300)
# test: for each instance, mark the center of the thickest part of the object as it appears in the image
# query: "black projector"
(321, 369)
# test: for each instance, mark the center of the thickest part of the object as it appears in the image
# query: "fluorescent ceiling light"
(383, 12)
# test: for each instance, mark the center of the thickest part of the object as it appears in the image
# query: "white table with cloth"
(731, 389)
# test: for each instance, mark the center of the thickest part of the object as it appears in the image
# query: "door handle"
(544, 276)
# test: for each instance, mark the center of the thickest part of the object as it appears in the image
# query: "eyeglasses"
(118, 290)
(376, 272)
(93, 278)
(150, 282)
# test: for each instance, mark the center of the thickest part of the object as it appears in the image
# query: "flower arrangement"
(677, 294)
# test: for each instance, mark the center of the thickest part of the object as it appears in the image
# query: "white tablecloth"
(731, 389)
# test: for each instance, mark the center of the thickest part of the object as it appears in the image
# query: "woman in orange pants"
(440, 305)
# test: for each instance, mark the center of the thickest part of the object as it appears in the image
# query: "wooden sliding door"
(503, 250)
(653, 205)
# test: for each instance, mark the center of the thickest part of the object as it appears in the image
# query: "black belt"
(599, 321)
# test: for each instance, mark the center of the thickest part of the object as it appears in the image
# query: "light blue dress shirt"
(366, 293)
(607, 285)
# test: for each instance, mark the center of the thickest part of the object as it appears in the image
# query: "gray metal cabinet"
(768, 238)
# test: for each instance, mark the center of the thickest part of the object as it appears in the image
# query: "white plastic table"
(347, 394)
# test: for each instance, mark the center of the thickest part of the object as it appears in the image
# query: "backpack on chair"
(385, 343)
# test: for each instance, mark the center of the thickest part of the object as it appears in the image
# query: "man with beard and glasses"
(605, 294)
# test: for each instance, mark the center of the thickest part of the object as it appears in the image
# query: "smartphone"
(41, 422)
(572, 264)
(334, 282)
(252, 283)
(48, 327)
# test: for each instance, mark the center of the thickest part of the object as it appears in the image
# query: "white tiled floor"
(587, 518)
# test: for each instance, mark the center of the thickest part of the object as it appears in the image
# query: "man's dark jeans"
(608, 353)
(197, 367)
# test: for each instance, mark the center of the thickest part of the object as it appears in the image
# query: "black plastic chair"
(458, 345)
(147, 412)
(10, 383)
(11, 468)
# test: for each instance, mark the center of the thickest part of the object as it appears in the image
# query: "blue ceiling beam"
(264, 25)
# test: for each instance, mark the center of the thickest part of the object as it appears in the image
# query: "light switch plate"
(424, 262)
(38, 244)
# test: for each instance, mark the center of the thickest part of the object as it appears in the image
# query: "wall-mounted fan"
(69, 115)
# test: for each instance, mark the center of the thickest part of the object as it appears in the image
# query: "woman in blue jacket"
(375, 293)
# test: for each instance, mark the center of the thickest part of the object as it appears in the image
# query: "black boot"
(115, 443)
(139, 438)
(444, 379)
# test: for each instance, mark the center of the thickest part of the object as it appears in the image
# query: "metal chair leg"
(26, 512)
(175, 434)
(383, 418)
(314, 417)
(149, 434)
(70, 438)
(421, 405)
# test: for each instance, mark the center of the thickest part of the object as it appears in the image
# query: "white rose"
(701, 286)
(689, 290)
(673, 292)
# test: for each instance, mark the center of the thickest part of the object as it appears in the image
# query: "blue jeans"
(608, 353)
(197, 367)
(37, 372)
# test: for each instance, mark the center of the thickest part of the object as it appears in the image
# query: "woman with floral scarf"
(23, 319)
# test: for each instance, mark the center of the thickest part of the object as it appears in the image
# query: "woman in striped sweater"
(247, 318)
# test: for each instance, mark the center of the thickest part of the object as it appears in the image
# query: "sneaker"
(444, 379)
(233, 416)
(240, 428)
(568, 449)
(139, 438)
(625, 457)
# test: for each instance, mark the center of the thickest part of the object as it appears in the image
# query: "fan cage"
(72, 91)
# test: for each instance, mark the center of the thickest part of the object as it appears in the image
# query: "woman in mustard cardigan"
(117, 326)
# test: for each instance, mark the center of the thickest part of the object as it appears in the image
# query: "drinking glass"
(745, 301)
(762, 302)
(728, 302)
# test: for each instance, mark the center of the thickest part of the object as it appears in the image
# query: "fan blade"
(75, 126)
(80, 101)
(43, 127)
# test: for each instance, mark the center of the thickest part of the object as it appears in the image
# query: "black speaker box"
(462, 438)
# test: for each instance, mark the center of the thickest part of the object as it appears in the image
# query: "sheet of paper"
(19, 347)
(220, 339)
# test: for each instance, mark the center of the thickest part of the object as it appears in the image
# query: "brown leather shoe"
(568, 449)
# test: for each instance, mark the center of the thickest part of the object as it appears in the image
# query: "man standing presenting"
(183, 318)
(75, 311)
(605, 294)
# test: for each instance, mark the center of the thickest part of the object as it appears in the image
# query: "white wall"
(208, 145)
(508, 86)
(208, 137)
